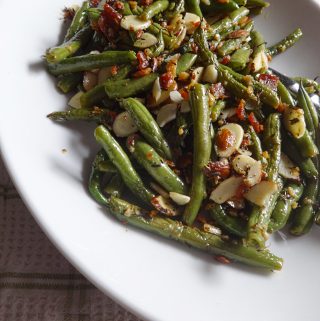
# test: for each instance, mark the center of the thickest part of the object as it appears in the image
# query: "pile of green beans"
(181, 107)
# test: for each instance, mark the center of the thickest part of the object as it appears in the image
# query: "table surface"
(36, 281)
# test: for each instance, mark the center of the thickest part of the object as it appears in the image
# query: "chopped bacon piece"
(218, 91)
(254, 122)
(166, 80)
(219, 168)
(109, 21)
(243, 188)
(142, 59)
(241, 112)
(238, 34)
(270, 81)
(94, 3)
(225, 139)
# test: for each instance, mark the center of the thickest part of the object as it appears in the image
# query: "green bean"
(126, 9)
(240, 58)
(107, 167)
(185, 62)
(69, 82)
(231, 224)
(284, 94)
(93, 15)
(121, 161)
(260, 218)
(78, 21)
(306, 82)
(169, 40)
(304, 102)
(272, 141)
(193, 6)
(178, 8)
(96, 177)
(285, 44)
(201, 150)
(221, 26)
(115, 186)
(306, 145)
(216, 109)
(91, 61)
(147, 126)
(129, 87)
(236, 15)
(255, 146)
(283, 208)
(95, 115)
(159, 47)
(137, 10)
(155, 165)
(303, 216)
(70, 47)
(154, 8)
(193, 237)
(98, 93)
(219, 7)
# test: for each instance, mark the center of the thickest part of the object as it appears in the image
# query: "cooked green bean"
(284, 94)
(216, 109)
(185, 62)
(240, 58)
(120, 160)
(69, 82)
(202, 149)
(115, 186)
(193, 6)
(154, 8)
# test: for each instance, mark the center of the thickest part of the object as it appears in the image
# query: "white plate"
(154, 278)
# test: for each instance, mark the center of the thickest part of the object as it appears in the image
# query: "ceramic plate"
(155, 278)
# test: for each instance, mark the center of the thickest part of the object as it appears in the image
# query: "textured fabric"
(36, 282)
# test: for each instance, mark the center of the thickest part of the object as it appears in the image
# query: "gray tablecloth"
(36, 282)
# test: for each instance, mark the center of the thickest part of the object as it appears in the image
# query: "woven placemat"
(36, 282)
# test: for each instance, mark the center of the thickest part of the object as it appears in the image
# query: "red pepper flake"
(225, 139)
(142, 72)
(184, 93)
(149, 155)
(218, 91)
(270, 81)
(196, 24)
(254, 123)
(218, 168)
(114, 70)
(225, 60)
(222, 259)
(281, 107)
(241, 111)
(142, 59)
(153, 213)
(166, 80)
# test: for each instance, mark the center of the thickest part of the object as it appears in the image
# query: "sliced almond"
(226, 190)
(123, 125)
(176, 97)
(134, 23)
(254, 174)
(196, 75)
(242, 163)
(261, 193)
(90, 80)
(185, 107)
(294, 121)
(210, 74)
(181, 35)
(166, 114)
(288, 169)
(104, 74)
(179, 199)
(146, 40)
(237, 132)
(192, 21)
(75, 100)
(260, 62)
(156, 89)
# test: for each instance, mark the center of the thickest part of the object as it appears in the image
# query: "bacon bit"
(254, 122)
(166, 80)
(218, 168)
(225, 60)
(281, 107)
(270, 81)
(118, 5)
(184, 161)
(142, 59)
(184, 93)
(114, 70)
(146, 2)
(149, 155)
(68, 13)
(142, 72)
(194, 47)
(218, 91)
(222, 259)
(139, 34)
(238, 34)
(241, 112)
(153, 213)
(94, 3)
(109, 21)
(225, 139)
